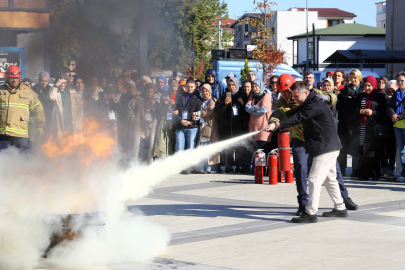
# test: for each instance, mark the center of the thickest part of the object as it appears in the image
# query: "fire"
(94, 143)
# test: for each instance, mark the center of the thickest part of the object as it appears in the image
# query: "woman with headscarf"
(67, 114)
(42, 90)
(162, 89)
(209, 132)
(231, 121)
(218, 88)
(381, 83)
(259, 108)
(370, 107)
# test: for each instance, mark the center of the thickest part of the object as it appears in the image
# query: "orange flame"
(94, 143)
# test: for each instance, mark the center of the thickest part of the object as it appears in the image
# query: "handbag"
(206, 132)
(381, 131)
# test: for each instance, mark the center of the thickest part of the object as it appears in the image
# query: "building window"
(246, 33)
(311, 50)
(334, 22)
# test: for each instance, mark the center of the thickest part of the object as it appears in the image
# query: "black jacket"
(392, 107)
(319, 126)
(194, 104)
(230, 126)
(372, 145)
(347, 116)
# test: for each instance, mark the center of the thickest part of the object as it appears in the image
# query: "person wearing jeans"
(396, 110)
(187, 103)
(322, 143)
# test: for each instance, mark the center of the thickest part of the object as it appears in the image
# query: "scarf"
(400, 96)
(236, 82)
(261, 85)
(369, 99)
(165, 88)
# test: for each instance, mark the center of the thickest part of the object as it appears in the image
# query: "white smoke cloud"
(37, 193)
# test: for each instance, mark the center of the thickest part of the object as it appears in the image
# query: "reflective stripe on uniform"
(40, 118)
(16, 105)
(20, 131)
(33, 107)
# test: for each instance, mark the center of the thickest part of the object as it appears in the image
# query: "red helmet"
(13, 72)
(284, 82)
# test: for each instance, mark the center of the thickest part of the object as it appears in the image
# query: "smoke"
(42, 195)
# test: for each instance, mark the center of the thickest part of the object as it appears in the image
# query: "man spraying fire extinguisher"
(321, 150)
(286, 106)
(17, 104)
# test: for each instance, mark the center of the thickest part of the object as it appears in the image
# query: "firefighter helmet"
(13, 72)
(284, 82)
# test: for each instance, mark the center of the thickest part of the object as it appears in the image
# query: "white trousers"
(323, 170)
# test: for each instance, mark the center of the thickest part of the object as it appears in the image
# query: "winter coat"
(260, 122)
(230, 125)
(47, 104)
(319, 126)
(16, 107)
(210, 119)
(392, 107)
(135, 118)
(62, 122)
(372, 144)
(192, 105)
(165, 139)
(347, 115)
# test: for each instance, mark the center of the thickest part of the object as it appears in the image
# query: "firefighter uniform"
(16, 107)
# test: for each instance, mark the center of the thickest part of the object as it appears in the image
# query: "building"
(226, 25)
(395, 38)
(281, 22)
(339, 37)
(381, 14)
(24, 28)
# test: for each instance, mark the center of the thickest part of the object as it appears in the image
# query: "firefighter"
(285, 106)
(17, 104)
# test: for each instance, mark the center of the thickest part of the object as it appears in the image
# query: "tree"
(266, 51)
(244, 72)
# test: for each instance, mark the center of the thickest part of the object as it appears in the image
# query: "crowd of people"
(152, 120)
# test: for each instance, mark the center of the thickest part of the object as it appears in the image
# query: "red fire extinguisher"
(273, 167)
(260, 162)
(284, 150)
(289, 175)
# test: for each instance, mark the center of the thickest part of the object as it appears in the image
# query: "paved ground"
(228, 222)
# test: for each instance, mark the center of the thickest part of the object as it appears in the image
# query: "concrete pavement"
(228, 222)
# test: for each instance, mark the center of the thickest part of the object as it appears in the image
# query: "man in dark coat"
(323, 144)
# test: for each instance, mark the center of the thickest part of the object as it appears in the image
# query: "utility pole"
(307, 40)
(219, 33)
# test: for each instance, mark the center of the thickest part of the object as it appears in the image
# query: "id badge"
(148, 117)
(184, 115)
(169, 116)
(235, 111)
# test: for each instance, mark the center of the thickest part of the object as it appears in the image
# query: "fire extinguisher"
(273, 167)
(284, 150)
(260, 163)
(289, 175)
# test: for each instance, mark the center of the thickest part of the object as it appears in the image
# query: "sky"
(366, 10)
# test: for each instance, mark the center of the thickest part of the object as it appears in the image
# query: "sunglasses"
(70, 76)
(401, 81)
(273, 82)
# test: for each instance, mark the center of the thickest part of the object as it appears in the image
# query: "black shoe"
(350, 205)
(220, 170)
(335, 213)
(305, 218)
(301, 210)
(355, 173)
(375, 178)
(197, 172)
(185, 172)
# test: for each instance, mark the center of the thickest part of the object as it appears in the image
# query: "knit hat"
(330, 72)
(44, 74)
(331, 83)
(182, 82)
(372, 81)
